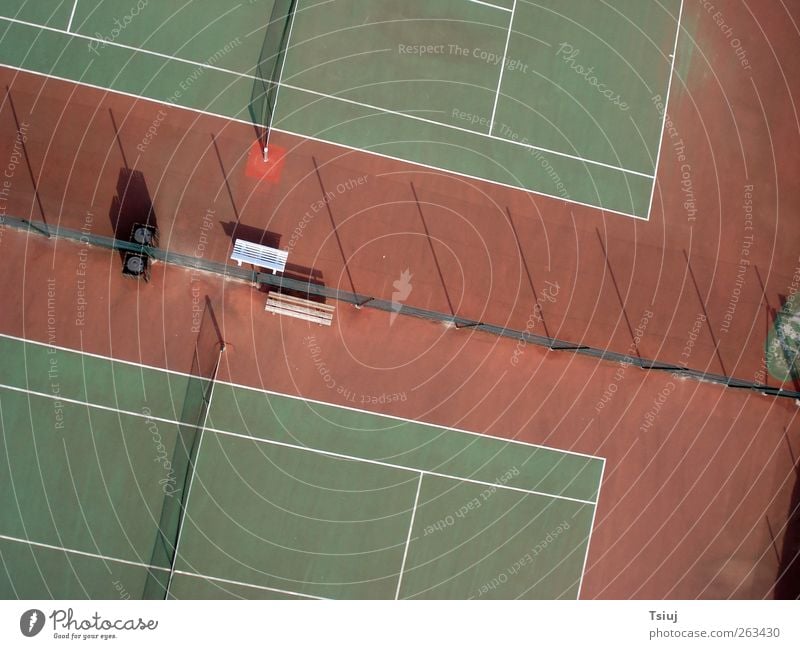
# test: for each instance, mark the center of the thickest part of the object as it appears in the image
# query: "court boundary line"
(246, 584)
(266, 391)
(137, 564)
(123, 46)
(415, 421)
(408, 538)
(310, 449)
(91, 555)
(435, 474)
(485, 4)
(160, 102)
(72, 16)
(461, 174)
(502, 66)
(530, 147)
(591, 530)
(422, 472)
(348, 147)
(250, 77)
(674, 55)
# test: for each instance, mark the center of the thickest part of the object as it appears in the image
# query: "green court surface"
(556, 98)
(287, 498)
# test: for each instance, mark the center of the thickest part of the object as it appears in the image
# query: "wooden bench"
(258, 255)
(296, 307)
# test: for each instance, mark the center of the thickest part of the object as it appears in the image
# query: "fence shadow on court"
(293, 271)
(249, 233)
(299, 273)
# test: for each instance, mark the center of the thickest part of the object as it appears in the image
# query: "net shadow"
(268, 68)
(206, 355)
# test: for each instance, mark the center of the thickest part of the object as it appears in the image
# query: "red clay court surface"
(697, 498)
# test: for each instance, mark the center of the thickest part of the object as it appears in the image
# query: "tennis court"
(282, 497)
(561, 99)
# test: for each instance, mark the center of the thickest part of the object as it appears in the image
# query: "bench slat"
(299, 308)
(300, 302)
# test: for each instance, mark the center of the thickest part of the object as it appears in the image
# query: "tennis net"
(269, 68)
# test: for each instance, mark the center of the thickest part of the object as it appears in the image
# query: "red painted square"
(269, 170)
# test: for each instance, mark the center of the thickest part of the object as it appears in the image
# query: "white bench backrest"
(258, 255)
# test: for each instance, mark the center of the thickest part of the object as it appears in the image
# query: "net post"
(269, 69)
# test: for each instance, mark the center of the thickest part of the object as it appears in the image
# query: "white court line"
(503, 65)
(71, 16)
(413, 421)
(244, 583)
(264, 391)
(298, 447)
(408, 539)
(81, 553)
(591, 529)
(138, 564)
(131, 48)
(461, 174)
(38, 343)
(488, 4)
(388, 465)
(341, 99)
(666, 106)
(312, 138)
(461, 129)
